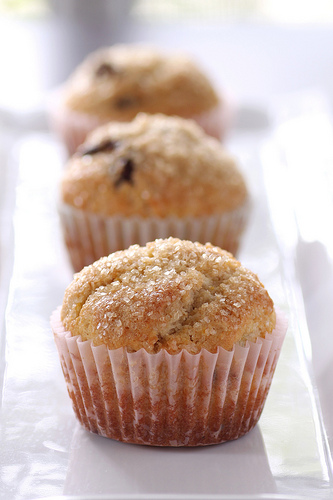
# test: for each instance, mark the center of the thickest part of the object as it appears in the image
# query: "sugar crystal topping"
(170, 294)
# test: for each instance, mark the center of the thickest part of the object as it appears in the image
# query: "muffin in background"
(115, 83)
(171, 344)
(154, 177)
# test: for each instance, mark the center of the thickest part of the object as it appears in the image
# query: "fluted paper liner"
(72, 127)
(168, 399)
(91, 236)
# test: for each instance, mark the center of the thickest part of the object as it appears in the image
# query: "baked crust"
(153, 166)
(118, 82)
(171, 294)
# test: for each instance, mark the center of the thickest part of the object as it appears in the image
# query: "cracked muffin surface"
(155, 165)
(170, 294)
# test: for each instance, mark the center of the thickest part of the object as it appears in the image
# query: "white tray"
(46, 454)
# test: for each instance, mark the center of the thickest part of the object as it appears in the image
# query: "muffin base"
(91, 236)
(168, 400)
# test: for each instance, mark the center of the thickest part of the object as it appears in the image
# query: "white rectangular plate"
(44, 451)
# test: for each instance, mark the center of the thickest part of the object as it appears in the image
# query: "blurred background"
(255, 50)
(263, 54)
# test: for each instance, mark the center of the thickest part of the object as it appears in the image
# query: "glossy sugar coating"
(171, 294)
(153, 166)
(118, 82)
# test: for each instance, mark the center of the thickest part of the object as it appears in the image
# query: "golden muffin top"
(155, 165)
(119, 81)
(170, 294)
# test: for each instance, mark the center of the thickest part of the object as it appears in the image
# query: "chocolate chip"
(126, 102)
(126, 172)
(105, 69)
(106, 145)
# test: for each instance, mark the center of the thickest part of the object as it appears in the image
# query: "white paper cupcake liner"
(72, 127)
(168, 399)
(217, 121)
(91, 236)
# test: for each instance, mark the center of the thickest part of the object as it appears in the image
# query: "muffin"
(154, 177)
(116, 83)
(171, 344)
